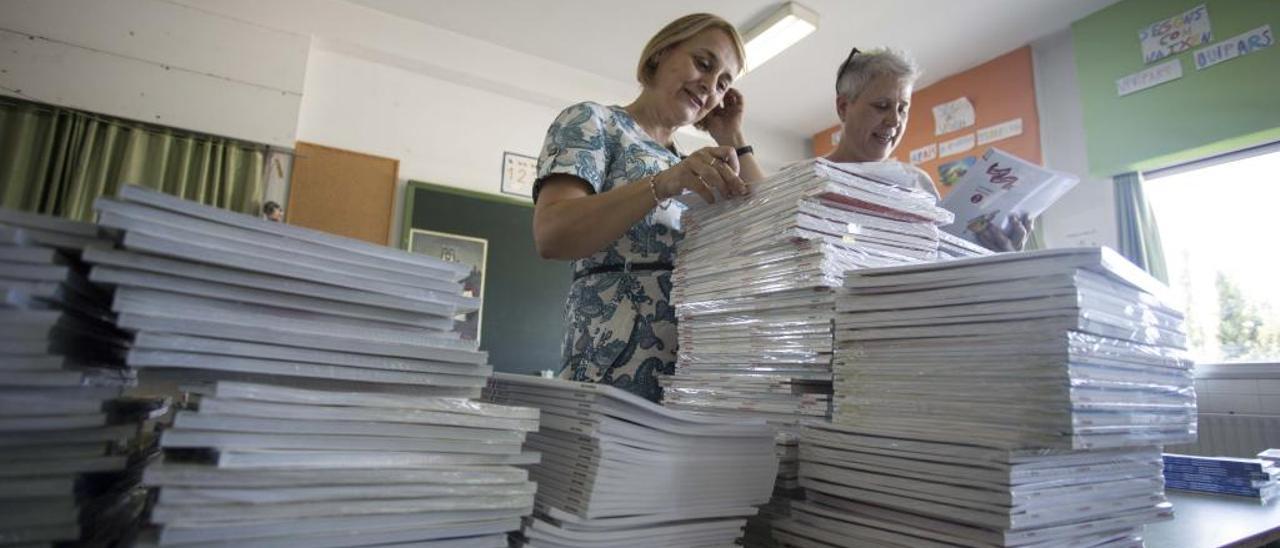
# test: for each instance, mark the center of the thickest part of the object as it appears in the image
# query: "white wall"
(325, 71)
(442, 132)
(1086, 215)
(155, 61)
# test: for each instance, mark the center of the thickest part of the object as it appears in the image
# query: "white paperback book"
(1000, 186)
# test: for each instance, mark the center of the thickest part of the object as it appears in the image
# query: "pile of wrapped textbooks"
(72, 446)
(754, 286)
(324, 386)
(978, 401)
(620, 471)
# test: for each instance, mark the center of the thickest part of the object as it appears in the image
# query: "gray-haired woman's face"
(875, 120)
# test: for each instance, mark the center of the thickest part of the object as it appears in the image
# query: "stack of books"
(211, 290)
(621, 471)
(250, 464)
(864, 488)
(1010, 400)
(1063, 349)
(296, 350)
(1253, 478)
(754, 292)
(72, 446)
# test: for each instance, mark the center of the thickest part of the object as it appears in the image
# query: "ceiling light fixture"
(781, 30)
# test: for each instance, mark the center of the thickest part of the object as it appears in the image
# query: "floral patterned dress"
(620, 327)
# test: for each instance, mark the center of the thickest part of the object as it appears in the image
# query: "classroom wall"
(1225, 107)
(351, 77)
(158, 62)
(1085, 216)
(1044, 76)
(1001, 90)
(375, 108)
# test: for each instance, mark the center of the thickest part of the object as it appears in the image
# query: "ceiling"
(793, 92)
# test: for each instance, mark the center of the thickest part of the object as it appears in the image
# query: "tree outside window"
(1217, 225)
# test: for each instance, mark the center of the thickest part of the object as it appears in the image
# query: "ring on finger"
(703, 181)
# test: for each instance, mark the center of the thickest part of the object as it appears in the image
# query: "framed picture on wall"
(518, 174)
(473, 252)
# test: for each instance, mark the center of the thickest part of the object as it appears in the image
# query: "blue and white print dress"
(620, 327)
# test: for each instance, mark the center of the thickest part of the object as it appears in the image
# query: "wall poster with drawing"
(473, 252)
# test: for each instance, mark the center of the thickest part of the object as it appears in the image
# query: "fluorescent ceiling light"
(781, 30)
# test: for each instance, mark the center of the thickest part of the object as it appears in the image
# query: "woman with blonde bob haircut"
(605, 176)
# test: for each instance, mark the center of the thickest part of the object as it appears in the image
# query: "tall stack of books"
(981, 401)
(250, 464)
(754, 292)
(621, 471)
(72, 447)
(325, 387)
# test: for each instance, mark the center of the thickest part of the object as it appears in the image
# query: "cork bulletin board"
(342, 192)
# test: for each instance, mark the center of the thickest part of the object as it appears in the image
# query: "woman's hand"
(724, 123)
(708, 172)
(1013, 238)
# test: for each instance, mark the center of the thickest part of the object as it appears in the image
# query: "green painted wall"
(1228, 106)
(523, 320)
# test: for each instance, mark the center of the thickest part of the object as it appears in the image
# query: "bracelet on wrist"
(653, 189)
(744, 150)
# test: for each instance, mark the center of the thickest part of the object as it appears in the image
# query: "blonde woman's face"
(875, 121)
(693, 76)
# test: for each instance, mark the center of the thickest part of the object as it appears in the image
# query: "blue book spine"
(1211, 471)
(1217, 480)
(1213, 488)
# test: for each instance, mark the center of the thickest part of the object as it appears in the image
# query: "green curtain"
(1139, 237)
(57, 161)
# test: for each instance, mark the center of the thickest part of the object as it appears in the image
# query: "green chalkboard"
(523, 321)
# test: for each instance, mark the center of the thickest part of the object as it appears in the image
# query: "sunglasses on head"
(845, 66)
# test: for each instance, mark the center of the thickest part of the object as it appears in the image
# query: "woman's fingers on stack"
(722, 168)
(695, 181)
(729, 156)
(729, 160)
(717, 177)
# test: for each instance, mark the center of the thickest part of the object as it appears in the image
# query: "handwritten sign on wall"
(953, 115)
(1235, 46)
(955, 146)
(1175, 34)
(1167, 71)
(1000, 132)
(924, 154)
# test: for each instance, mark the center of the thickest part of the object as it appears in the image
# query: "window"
(1217, 222)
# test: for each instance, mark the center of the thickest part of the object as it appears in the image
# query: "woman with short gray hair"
(873, 99)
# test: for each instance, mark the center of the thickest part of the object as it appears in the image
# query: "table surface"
(1209, 521)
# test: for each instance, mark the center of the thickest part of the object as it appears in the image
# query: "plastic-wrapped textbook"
(618, 470)
(73, 445)
(1001, 185)
(753, 289)
(865, 487)
(321, 381)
